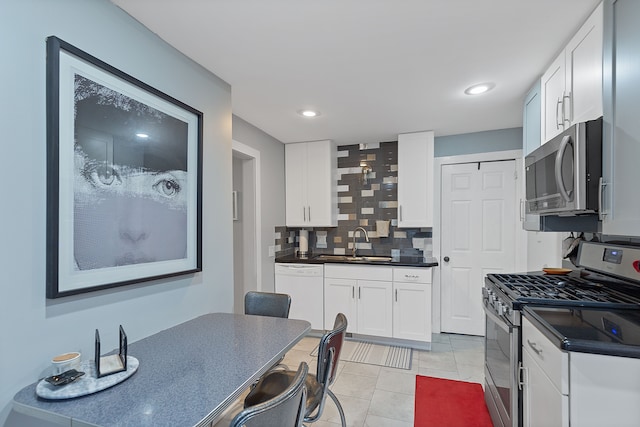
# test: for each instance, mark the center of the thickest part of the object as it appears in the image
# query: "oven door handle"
(497, 320)
(523, 376)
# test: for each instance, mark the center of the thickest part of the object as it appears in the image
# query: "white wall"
(32, 328)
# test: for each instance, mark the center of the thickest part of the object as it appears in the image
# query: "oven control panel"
(496, 303)
(617, 260)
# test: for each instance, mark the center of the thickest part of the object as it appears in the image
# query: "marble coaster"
(86, 384)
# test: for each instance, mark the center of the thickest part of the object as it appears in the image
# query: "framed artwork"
(124, 178)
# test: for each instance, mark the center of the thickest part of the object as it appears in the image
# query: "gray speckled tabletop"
(188, 374)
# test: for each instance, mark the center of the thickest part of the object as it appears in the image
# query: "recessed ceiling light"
(479, 88)
(309, 113)
(142, 135)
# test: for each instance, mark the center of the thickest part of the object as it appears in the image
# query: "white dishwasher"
(305, 284)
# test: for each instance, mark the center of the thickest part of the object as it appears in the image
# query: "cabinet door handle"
(567, 117)
(304, 214)
(359, 292)
(353, 292)
(400, 213)
(601, 186)
(533, 346)
(396, 295)
(309, 208)
(558, 103)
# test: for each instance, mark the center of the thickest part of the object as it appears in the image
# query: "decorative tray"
(86, 384)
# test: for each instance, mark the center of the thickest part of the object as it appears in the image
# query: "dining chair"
(267, 304)
(273, 382)
(285, 409)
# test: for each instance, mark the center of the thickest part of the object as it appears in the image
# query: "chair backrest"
(329, 351)
(284, 410)
(267, 304)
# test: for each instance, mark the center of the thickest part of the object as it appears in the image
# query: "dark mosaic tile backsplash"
(367, 192)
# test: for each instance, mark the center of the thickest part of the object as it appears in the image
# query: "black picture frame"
(124, 177)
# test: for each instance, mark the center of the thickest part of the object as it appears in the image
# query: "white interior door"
(477, 238)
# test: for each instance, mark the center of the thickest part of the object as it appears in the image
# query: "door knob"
(446, 259)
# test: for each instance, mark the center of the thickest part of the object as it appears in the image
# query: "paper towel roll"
(304, 242)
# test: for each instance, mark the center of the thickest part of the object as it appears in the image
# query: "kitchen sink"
(354, 259)
(339, 258)
(378, 258)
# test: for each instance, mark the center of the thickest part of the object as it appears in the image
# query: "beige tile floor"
(375, 396)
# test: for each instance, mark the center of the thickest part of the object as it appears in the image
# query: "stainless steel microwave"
(563, 176)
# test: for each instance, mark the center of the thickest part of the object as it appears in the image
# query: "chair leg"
(319, 410)
(339, 406)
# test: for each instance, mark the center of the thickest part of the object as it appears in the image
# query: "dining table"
(187, 375)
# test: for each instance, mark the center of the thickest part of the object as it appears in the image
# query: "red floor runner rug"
(448, 403)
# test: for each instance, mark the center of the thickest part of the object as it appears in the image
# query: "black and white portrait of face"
(130, 181)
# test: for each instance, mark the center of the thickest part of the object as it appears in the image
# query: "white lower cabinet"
(545, 392)
(363, 294)
(374, 308)
(576, 389)
(380, 301)
(340, 297)
(605, 390)
(543, 403)
(412, 303)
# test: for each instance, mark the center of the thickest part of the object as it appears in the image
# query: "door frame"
(253, 155)
(520, 233)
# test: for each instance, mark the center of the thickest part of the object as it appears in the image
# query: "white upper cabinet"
(310, 169)
(415, 179)
(531, 120)
(621, 143)
(584, 70)
(553, 96)
(571, 90)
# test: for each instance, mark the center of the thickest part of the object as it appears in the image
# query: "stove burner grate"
(552, 290)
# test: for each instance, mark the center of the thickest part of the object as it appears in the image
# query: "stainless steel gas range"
(610, 278)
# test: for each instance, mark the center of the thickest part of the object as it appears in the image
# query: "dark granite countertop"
(395, 262)
(585, 330)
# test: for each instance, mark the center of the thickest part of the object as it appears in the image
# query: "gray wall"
(272, 183)
(478, 142)
(32, 328)
(238, 238)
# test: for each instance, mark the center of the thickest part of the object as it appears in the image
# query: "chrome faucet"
(366, 236)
